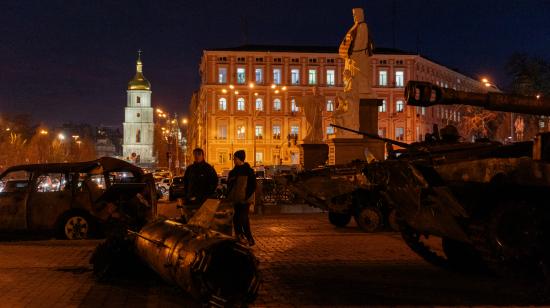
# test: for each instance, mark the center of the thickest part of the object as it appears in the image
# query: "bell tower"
(138, 119)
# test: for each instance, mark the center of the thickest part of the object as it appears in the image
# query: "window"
(382, 132)
(295, 76)
(423, 110)
(138, 100)
(241, 59)
(276, 132)
(399, 133)
(138, 115)
(259, 132)
(222, 104)
(399, 79)
(15, 181)
(330, 105)
(331, 78)
(330, 60)
(222, 132)
(278, 60)
(138, 136)
(295, 60)
(240, 132)
(383, 78)
(259, 59)
(241, 75)
(276, 104)
(277, 76)
(222, 157)
(383, 107)
(294, 131)
(293, 106)
(259, 157)
(330, 130)
(399, 106)
(222, 75)
(259, 75)
(240, 104)
(51, 182)
(312, 76)
(259, 104)
(312, 60)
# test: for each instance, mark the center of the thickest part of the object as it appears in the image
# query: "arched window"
(138, 100)
(138, 136)
(222, 103)
(240, 104)
(276, 104)
(259, 104)
(293, 106)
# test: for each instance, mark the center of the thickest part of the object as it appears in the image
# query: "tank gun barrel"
(373, 136)
(425, 94)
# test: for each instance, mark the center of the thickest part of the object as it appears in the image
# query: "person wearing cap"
(241, 185)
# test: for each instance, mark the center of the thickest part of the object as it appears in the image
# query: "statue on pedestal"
(356, 49)
(313, 109)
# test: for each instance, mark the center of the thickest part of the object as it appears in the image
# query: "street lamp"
(61, 137)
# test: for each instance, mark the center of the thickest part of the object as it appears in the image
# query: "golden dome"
(139, 82)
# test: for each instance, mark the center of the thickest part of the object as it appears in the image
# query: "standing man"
(241, 185)
(199, 181)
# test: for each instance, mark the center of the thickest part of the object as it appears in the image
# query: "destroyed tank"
(486, 201)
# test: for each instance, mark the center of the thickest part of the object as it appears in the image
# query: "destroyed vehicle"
(61, 197)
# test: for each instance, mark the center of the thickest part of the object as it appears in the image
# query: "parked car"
(176, 189)
(164, 185)
(61, 197)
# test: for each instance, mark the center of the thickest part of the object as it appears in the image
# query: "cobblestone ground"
(304, 262)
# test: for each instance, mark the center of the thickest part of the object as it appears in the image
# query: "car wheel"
(369, 219)
(76, 226)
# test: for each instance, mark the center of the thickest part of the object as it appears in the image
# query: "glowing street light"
(61, 137)
(224, 91)
(184, 121)
(538, 96)
(43, 132)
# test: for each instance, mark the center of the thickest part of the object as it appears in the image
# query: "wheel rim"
(76, 227)
(370, 219)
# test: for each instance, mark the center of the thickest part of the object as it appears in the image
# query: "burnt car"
(176, 190)
(61, 197)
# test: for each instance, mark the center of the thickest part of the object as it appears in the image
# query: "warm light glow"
(173, 121)
(251, 85)
(273, 86)
(75, 137)
(78, 142)
(284, 88)
(487, 84)
(231, 87)
(276, 91)
(159, 111)
(236, 92)
(224, 91)
(163, 128)
(8, 129)
(184, 121)
(256, 94)
(60, 136)
(43, 132)
(537, 96)
(484, 80)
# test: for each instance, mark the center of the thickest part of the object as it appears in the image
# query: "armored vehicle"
(484, 200)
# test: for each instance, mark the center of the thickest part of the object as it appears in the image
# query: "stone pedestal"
(343, 151)
(313, 155)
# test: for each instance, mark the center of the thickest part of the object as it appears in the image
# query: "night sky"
(68, 61)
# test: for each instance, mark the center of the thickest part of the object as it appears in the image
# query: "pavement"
(305, 262)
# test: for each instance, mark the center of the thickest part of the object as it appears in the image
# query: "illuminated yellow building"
(247, 99)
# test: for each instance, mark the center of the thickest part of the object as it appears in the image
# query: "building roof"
(304, 49)
(139, 82)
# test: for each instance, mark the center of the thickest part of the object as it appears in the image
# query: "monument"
(313, 152)
(357, 105)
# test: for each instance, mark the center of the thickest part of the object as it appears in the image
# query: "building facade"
(138, 123)
(247, 99)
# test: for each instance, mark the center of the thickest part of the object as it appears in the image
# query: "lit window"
(277, 76)
(399, 79)
(294, 130)
(423, 110)
(240, 104)
(222, 75)
(222, 132)
(259, 132)
(259, 157)
(259, 76)
(222, 104)
(382, 108)
(240, 132)
(276, 132)
(295, 76)
(331, 78)
(241, 75)
(399, 133)
(259, 104)
(383, 78)
(330, 105)
(330, 130)
(312, 76)
(277, 104)
(138, 100)
(222, 157)
(399, 106)
(293, 106)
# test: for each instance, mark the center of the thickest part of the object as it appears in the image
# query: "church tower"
(138, 119)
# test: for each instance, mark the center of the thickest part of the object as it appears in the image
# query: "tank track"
(412, 239)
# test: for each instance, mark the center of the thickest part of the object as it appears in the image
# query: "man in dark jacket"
(241, 185)
(199, 181)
